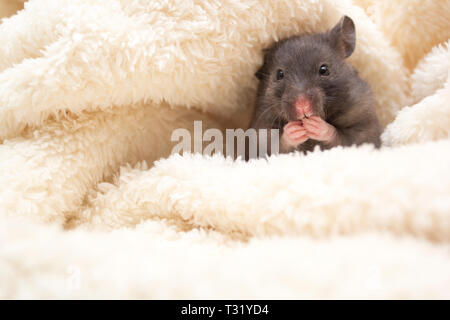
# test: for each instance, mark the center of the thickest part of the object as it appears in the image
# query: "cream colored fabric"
(10, 7)
(413, 27)
(90, 93)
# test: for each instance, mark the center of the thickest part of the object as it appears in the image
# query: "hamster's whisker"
(266, 111)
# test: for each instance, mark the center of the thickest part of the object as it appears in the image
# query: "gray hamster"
(308, 91)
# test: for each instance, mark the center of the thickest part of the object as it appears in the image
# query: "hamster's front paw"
(318, 129)
(293, 135)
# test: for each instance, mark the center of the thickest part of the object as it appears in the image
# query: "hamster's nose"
(303, 106)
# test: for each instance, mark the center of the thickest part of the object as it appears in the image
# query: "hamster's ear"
(262, 70)
(343, 36)
(260, 73)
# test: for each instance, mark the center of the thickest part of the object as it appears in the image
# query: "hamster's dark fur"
(338, 95)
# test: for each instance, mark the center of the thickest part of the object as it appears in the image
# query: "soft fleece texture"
(90, 93)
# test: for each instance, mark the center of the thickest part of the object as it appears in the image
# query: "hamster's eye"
(280, 74)
(323, 70)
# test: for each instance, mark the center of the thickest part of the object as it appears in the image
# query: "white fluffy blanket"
(90, 92)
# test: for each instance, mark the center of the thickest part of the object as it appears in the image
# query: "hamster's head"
(307, 75)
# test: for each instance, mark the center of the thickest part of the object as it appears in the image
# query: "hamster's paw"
(293, 134)
(318, 129)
